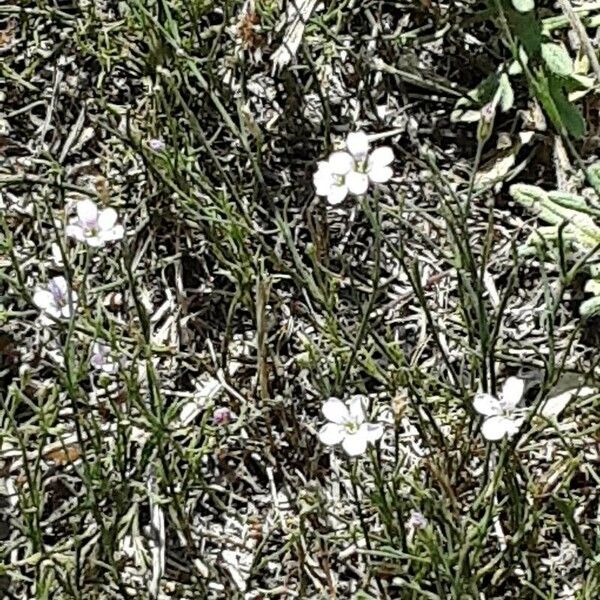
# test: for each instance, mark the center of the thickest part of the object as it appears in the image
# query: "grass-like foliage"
(299, 299)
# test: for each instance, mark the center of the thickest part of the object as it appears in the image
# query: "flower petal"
(335, 411)
(380, 174)
(65, 311)
(322, 179)
(357, 143)
(340, 163)
(372, 431)
(110, 367)
(43, 299)
(355, 443)
(331, 434)
(75, 231)
(337, 194)
(356, 406)
(512, 392)
(115, 233)
(381, 157)
(486, 404)
(495, 428)
(513, 426)
(57, 286)
(97, 361)
(357, 183)
(87, 211)
(107, 218)
(94, 241)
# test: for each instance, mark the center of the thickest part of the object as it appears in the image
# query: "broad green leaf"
(523, 5)
(557, 59)
(528, 29)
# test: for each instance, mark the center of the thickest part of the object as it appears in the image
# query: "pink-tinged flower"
(416, 520)
(54, 300)
(501, 414)
(222, 416)
(347, 425)
(94, 227)
(156, 145)
(102, 360)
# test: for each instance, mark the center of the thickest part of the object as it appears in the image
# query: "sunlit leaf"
(557, 59)
(523, 5)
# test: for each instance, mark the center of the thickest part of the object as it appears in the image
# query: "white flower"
(347, 425)
(352, 171)
(330, 178)
(501, 414)
(94, 227)
(54, 301)
(102, 360)
(373, 167)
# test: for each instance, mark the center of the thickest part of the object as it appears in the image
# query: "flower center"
(361, 163)
(351, 426)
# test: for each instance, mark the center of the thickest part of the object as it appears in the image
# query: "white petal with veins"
(357, 183)
(357, 144)
(335, 411)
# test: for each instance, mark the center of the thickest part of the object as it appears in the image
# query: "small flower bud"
(486, 122)
(222, 416)
(156, 145)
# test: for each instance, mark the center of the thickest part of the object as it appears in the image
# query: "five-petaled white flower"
(54, 301)
(102, 360)
(352, 170)
(94, 227)
(347, 425)
(501, 414)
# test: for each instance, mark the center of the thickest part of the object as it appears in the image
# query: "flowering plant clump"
(347, 425)
(94, 227)
(501, 414)
(56, 300)
(102, 360)
(352, 170)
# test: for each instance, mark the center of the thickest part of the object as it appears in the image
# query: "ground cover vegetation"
(299, 299)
